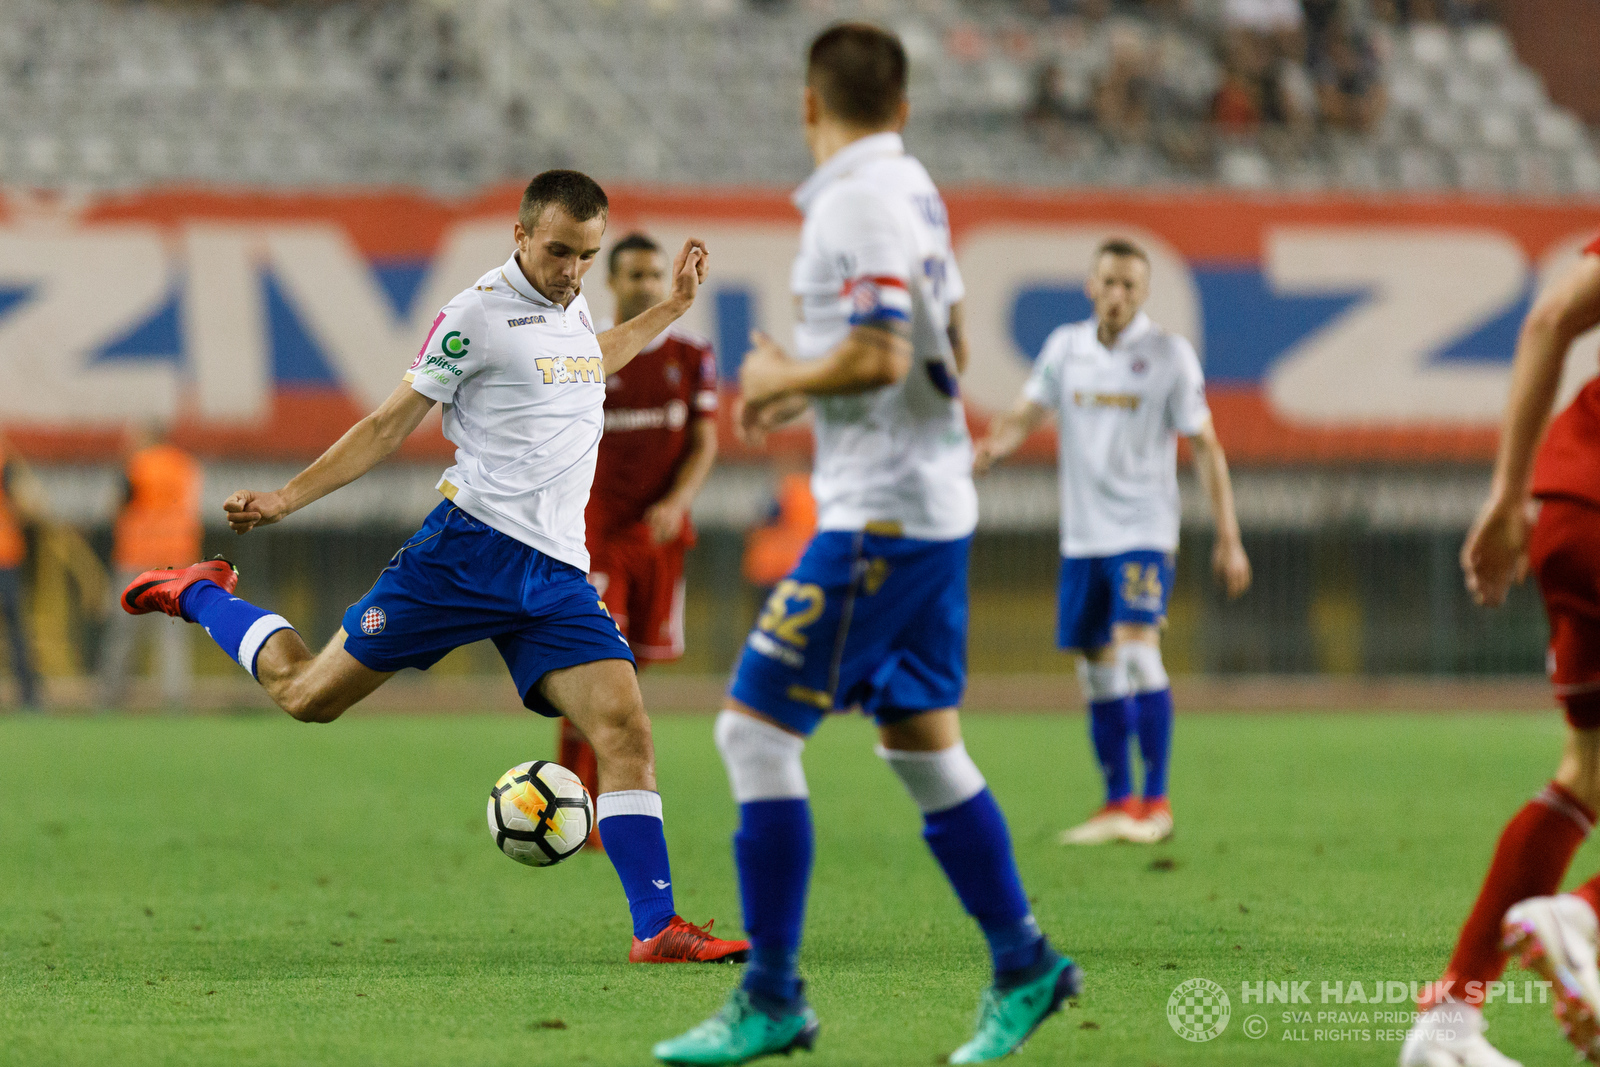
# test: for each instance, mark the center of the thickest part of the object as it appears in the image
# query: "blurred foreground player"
(1543, 512)
(659, 445)
(516, 363)
(1123, 390)
(21, 505)
(875, 615)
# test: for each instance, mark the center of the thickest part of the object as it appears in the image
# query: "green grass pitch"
(252, 891)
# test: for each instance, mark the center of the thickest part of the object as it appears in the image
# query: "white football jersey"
(523, 384)
(875, 246)
(1119, 413)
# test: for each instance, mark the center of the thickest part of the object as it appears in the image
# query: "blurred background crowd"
(205, 110)
(1306, 94)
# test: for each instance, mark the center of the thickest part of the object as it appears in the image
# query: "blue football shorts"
(864, 620)
(457, 581)
(1098, 592)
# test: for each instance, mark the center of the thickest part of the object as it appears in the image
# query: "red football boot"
(160, 590)
(684, 942)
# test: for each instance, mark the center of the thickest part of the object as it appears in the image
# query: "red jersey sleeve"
(704, 404)
(1592, 248)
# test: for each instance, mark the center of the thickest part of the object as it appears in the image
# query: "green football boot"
(1006, 1018)
(739, 1033)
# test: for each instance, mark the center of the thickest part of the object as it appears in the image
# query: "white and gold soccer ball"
(540, 813)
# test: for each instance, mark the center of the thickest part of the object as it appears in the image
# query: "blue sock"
(772, 849)
(972, 844)
(238, 626)
(1154, 713)
(1109, 722)
(630, 825)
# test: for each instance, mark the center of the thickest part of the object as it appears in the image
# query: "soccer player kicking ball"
(522, 376)
(659, 446)
(1123, 389)
(1560, 481)
(875, 613)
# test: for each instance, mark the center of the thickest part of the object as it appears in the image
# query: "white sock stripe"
(1556, 802)
(256, 636)
(1103, 681)
(628, 802)
(1146, 672)
(763, 761)
(937, 781)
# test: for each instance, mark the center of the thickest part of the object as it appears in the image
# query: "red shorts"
(641, 584)
(1564, 554)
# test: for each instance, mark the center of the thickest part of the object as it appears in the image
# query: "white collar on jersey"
(852, 155)
(512, 273)
(1136, 329)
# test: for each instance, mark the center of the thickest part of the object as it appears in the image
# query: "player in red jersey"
(1543, 514)
(659, 445)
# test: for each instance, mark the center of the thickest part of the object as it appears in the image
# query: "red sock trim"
(1530, 859)
(1557, 796)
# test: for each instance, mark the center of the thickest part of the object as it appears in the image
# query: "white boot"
(1451, 1035)
(1555, 938)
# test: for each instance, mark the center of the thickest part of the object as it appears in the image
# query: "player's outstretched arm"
(1228, 559)
(1495, 552)
(1006, 434)
(625, 340)
(363, 446)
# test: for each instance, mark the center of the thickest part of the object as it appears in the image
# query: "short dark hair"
(575, 193)
(1120, 246)
(859, 71)
(634, 242)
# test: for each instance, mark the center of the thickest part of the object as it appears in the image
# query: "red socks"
(1590, 891)
(1530, 860)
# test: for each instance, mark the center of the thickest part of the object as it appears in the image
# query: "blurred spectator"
(1349, 82)
(1236, 109)
(1122, 93)
(1048, 116)
(1455, 12)
(21, 504)
(1277, 23)
(158, 525)
(1264, 56)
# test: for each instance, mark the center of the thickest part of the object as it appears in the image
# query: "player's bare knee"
(309, 703)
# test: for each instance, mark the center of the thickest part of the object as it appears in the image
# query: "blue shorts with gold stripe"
(864, 621)
(457, 581)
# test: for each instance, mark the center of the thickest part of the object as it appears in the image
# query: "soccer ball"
(540, 813)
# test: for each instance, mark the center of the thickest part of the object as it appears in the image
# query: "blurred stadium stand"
(1354, 556)
(452, 95)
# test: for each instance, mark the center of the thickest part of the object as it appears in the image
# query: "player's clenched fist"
(248, 509)
(689, 269)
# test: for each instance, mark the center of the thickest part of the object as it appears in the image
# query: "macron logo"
(526, 320)
(659, 884)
